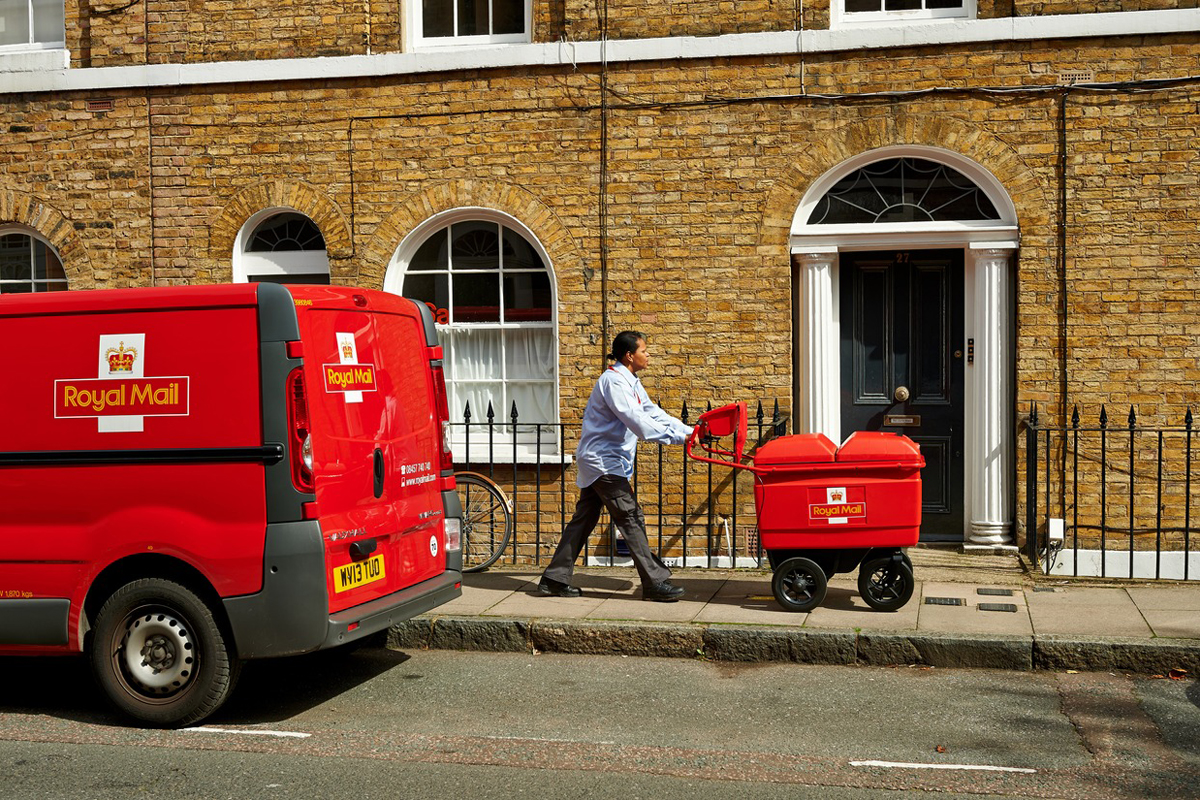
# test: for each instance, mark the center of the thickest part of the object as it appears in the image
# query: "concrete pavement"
(967, 610)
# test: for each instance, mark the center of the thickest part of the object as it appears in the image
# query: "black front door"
(902, 366)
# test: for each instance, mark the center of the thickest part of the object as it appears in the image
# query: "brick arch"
(518, 203)
(303, 197)
(55, 228)
(1029, 194)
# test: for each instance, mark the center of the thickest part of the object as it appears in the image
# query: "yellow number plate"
(358, 574)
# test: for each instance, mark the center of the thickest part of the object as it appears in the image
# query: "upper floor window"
(888, 11)
(462, 22)
(28, 264)
(280, 246)
(31, 24)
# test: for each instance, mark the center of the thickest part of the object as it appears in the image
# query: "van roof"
(223, 295)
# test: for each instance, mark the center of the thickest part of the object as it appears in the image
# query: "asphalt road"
(379, 723)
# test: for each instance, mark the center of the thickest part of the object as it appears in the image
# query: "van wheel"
(159, 655)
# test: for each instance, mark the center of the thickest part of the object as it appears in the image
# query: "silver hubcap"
(158, 653)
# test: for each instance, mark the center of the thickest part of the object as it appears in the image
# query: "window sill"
(34, 60)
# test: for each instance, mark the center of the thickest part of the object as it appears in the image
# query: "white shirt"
(618, 414)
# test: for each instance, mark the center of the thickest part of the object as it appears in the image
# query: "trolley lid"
(880, 446)
(800, 448)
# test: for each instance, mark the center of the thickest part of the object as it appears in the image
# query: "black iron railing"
(696, 514)
(1110, 500)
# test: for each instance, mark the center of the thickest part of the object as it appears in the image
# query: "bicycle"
(487, 520)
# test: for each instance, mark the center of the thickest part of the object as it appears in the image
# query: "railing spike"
(1103, 417)
(684, 415)
(491, 415)
(1132, 418)
(467, 413)
(1187, 418)
(1033, 417)
(759, 414)
(1075, 417)
(513, 414)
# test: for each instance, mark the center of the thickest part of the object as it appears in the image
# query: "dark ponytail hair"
(625, 342)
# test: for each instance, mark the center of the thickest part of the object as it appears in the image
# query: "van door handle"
(378, 473)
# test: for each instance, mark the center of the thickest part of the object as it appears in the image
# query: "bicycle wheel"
(487, 521)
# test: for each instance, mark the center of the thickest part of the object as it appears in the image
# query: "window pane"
(901, 5)
(476, 355)
(48, 21)
(432, 289)
(437, 18)
(476, 298)
(854, 6)
(475, 245)
(943, 3)
(518, 253)
(535, 403)
(526, 297)
(46, 263)
(508, 16)
(529, 354)
(14, 14)
(472, 17)
(14, 258)
(432, 254)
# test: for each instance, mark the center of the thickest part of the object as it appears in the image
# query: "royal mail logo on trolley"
(348, 376)
(842, 504)
(121, 395)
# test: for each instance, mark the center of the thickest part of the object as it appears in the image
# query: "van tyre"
(160, 656)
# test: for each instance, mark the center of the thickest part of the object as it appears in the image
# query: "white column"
(820, 380)
(989, 426)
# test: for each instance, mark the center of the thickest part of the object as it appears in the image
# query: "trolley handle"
(715, 424)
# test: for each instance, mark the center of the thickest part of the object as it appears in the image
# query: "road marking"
(906, 765)
(281, 734)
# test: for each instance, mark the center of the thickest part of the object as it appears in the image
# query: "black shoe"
(552, 588)
(665, 592)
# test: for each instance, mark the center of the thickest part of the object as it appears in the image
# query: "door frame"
(989, 252)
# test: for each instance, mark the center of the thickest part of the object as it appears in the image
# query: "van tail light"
(443, 412)
(300, 445)
(453, 533)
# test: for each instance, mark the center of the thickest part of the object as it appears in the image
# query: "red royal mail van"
(194, 476)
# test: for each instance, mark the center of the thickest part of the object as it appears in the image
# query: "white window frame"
(23, 230)
(288, 262)
(33, 56)
(840, 18)
(413, 19)
(526, 445)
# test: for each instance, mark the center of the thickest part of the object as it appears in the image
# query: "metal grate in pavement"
(1010, 607)
(995, 592)
(945, 601)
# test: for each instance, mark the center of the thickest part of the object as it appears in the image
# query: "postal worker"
(618, 414)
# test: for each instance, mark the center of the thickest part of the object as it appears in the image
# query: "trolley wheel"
(799, 584)
(886, 583)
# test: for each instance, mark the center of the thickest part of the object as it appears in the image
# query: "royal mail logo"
(837, 505)
(349, 377)
(147, 397)
(121, 359)
(121, 395)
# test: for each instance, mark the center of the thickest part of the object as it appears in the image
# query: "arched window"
(28, 263)
(903, 190)
(492, 296)
(280, 246)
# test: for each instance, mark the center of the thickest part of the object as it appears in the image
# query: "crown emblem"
(121, 358)
(347, 351)
(836, 495)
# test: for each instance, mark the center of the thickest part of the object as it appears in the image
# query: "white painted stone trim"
(820, 367)
(932, 33)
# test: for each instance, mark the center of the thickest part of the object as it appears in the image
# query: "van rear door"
(375, 441)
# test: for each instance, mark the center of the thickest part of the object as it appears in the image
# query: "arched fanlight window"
(492, 296)
(903, 190)
(28, 264)
(281, 246)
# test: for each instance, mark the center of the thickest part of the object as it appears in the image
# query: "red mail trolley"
(824, 509)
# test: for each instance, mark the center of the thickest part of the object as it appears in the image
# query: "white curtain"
(501, 367)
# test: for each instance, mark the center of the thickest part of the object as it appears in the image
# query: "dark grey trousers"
(614, 493)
